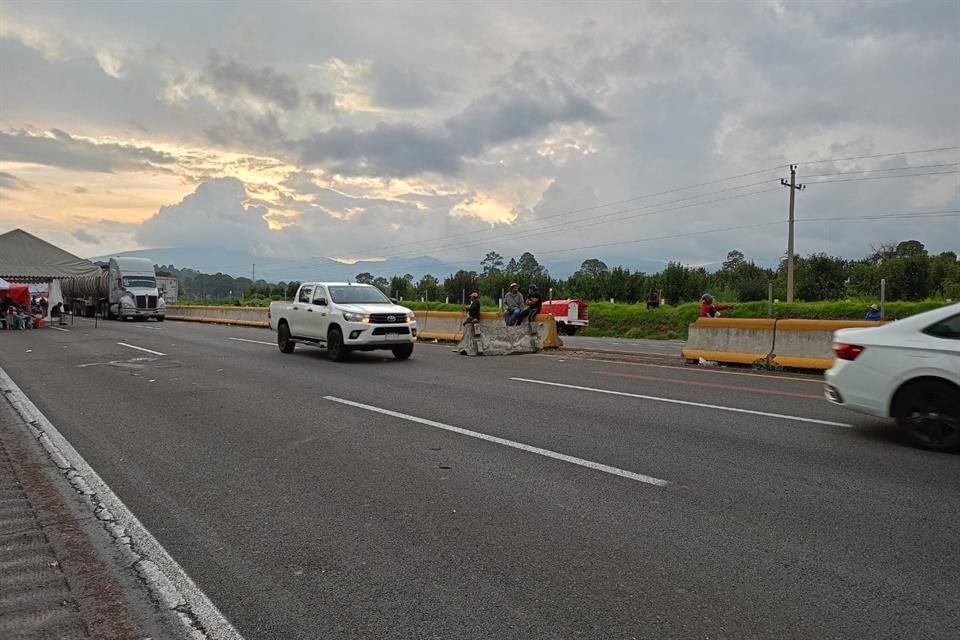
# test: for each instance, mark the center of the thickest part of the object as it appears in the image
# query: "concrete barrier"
(498, 340)
(797, 344)
(734, 340)
(431, 325)
(807, 344)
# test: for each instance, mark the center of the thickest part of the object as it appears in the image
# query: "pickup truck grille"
(391, 331)
(388, 318)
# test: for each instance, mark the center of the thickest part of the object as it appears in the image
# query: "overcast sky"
(451, 129)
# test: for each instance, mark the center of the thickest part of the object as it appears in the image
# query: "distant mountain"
(275, 269)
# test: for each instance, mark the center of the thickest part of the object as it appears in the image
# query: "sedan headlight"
(355, 317)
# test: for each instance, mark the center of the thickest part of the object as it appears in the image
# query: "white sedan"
(908, 370)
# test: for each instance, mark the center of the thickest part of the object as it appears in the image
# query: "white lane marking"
(269, 344)
(59, 329)
(688, 403)
(165, 578)
(131, 346)
(507, 443)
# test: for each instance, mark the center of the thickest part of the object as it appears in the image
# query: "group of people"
(14, 316)
(516, 307)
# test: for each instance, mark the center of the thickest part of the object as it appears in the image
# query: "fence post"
(769, 299)
(883, 296)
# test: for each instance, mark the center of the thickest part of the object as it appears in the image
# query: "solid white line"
(507, 443)
(687, 403)
(131, 346)
(166, 578)
(269, 344)
(59, 329)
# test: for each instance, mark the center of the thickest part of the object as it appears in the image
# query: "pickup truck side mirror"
(320, 302)
(394, 300)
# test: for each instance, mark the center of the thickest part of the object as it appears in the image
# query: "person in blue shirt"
(873, 313)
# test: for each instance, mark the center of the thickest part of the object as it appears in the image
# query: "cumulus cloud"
(59, 149)
(216, 214)
(85, 236)
(10, 181)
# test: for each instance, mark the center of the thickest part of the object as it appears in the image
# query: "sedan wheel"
(928, 413)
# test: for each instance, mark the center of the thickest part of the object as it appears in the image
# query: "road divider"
(431, 325)
(797, 344)
(589, 464)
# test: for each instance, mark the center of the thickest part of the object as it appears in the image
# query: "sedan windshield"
(143, 282)
(358, 295)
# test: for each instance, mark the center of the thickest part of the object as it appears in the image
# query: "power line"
(881, 155)
(848, 173)
(911, 175)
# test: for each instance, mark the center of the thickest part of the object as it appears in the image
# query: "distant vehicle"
(125, 288)
(343, 317)
(169, 289)
(569, 315)
(908, 370)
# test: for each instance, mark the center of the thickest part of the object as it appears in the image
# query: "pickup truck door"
(319, 313)
(299, 318)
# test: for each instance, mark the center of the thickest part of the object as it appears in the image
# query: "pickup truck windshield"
(358, 295)
(144, 282)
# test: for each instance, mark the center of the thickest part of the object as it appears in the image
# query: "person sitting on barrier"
(534, 301)
(873, 313)
(473, 311)
(512, 305)
(710, 309)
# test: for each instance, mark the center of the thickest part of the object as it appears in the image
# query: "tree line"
(910, 272)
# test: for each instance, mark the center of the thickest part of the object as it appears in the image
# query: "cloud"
(216, 214)
(396, 87)
(231, 78)
(85, 236)
(81, 190)
(10, 181)
(59, 149)
(322, 101)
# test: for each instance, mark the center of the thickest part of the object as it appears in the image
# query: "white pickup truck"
(343, 317)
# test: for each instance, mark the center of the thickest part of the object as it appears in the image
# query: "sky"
(625, 131)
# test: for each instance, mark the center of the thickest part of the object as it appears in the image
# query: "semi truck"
(125, 288)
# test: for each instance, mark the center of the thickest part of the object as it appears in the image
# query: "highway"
(526, 497)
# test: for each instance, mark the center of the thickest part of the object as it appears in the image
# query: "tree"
(528, 265)
(734, 259)
(292, 289)
(492, 264)
(512, 266)
(460, 284)
(381, 283)
(592, 268)
(428, 287)
(365, 278)
(911, 249)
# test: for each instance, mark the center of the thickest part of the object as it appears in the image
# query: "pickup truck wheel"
(160, 318)
(928, 414)
(335, 348)
(403, 351)
(283, 339)
(571, 330)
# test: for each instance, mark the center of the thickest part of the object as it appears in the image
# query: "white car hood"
(392, 309)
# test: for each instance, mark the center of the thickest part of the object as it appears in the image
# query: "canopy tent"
(27, 258)
(20, 293)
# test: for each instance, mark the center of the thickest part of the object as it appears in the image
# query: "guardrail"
(799, 344)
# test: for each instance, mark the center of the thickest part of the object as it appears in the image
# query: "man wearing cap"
(710, 309)
(534, 301)
(473, 311)
(512, 305)
(873, 313)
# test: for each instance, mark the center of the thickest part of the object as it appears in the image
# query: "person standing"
(512, 305)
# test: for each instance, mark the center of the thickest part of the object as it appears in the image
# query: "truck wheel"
(106, 313)
(335, 348)
(284, 342)
(928, 414)
(572, 330)
(160, 318)
(403, 351)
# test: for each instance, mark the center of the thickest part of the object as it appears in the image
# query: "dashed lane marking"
(269, 344)
(133, 346)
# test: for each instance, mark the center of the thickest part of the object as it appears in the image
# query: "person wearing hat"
(710, 309)
(512, 305)
(534, 301)
(873, 313)
(473, 311)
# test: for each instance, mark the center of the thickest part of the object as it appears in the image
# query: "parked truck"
(569, 315)
(125, 288)
(343, 317)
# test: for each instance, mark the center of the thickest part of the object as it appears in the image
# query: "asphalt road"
(516, 497)
(656, 347)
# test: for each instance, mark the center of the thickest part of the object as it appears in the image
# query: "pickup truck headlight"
(411, 317)
(355, 317)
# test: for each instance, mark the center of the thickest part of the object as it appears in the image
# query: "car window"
(949, 329)
(318, 294)
(305, 294)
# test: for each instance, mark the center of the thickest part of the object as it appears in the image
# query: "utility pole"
(255, 264)
(794, 187)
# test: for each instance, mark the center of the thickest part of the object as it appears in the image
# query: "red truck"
(570, 314)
